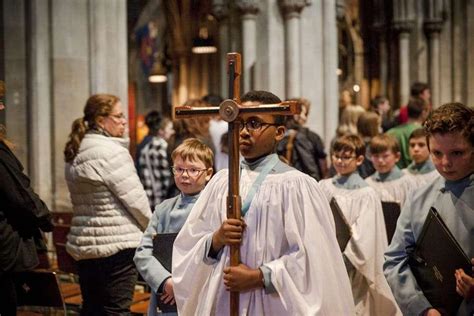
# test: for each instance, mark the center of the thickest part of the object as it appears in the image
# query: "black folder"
(163, 248)
(343, 229)
(433, 262)
(391, 212)
(163, 251)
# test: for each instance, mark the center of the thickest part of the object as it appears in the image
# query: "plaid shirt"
(154, 170)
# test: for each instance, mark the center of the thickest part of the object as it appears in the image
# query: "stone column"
(15, 67)
(70, 80)
(220, 10)
(39, 95)
(291, 10)
(249, 10)
(433, 25)
(330, 62)
(459, 52)
(380, 28)
(403, 23)
(383, 62)
(108, 48)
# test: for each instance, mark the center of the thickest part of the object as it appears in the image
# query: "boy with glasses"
(362, 210)
(192, 169)
(389, 181)
(451, 143)
(290, 260)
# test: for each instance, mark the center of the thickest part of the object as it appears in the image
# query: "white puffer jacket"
(110, 206)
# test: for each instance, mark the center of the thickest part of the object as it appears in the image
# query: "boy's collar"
(457, 187)
(394, 174)
(186, 199)
(350, 182)
(252, 165)
(421, 168)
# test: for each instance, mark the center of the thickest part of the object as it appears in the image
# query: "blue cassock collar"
(350, 182)
(394, 174)
(422, 168)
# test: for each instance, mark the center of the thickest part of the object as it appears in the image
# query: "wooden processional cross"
(231, 111)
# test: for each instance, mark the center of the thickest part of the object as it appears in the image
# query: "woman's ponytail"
(78, 131)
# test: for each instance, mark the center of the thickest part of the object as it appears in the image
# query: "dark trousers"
(107, 284)
(8, 298)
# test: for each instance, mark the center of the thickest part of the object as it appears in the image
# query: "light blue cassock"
(454, 201)
(169, 217)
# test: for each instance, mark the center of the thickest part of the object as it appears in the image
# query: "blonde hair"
(368, 124)
(97, 105)
(350, 116)
(193, 149)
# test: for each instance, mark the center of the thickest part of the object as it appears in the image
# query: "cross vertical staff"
(233, 198)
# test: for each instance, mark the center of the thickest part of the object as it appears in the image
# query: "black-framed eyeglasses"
(192, 172)
(342, 158)
(254, 125)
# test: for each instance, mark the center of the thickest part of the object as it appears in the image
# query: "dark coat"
(306, 150)
(22, 215)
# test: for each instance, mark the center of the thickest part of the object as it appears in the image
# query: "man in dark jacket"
(303, 148)
(22, 215)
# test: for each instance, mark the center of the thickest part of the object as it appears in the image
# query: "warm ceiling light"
(157, 78)
(203, 46)
(158, 73)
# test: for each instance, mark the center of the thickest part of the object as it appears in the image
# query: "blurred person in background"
(417, 90)
(301, 147)
(217, 128)
(381, 106)
(153, 165)
(368, 126)
(418, 111)
(23, 215)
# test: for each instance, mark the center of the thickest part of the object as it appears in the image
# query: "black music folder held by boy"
(436, 255)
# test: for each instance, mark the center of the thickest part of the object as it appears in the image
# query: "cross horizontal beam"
(283, 108)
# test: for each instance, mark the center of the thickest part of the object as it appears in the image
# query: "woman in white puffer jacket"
(110, 206)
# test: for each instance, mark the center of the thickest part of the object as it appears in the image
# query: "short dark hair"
(451, 118)
(264, 97)
(153, 121)
(415, 107)
(418, 133)
(351, 142)
(212, 99)
(374, 103)
(417, 88)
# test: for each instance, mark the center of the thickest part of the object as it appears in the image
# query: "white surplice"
(394, 190)
(423, 178)
(290, 230)
(364, 251)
